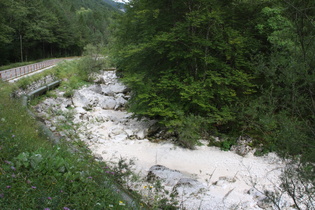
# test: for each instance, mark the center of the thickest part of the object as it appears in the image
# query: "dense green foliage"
(233, 67)
(33, 29)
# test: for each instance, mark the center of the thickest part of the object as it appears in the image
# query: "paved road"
(13, 73)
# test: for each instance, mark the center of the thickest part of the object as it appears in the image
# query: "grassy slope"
(35, 174)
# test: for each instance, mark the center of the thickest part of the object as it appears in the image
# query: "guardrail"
(24, 70)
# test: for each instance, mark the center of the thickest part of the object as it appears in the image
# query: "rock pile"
(95, 112)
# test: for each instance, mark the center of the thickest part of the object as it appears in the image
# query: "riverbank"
(214, 179)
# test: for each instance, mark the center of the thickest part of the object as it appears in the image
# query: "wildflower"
(46, 208)
(8, 162)
(121, 203)
(110, 206)
(145, 187)
(12, 167)
(13, 175)
(13, 136)
(33, 187)
(49, 198)
(8, 186)
(66, 208)
(61, 191)
(90, 177)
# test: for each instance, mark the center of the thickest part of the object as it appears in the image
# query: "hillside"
(53, 28)
(117, 5)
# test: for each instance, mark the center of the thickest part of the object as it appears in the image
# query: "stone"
(117, 131)
(112, 89)
(187, 186)
(140, 134)
(168, 176)
(120, 102)
(80, 110)
(118, 88)
(106, 90)
(242, 147)
(108, 103)
(95, 88)
(129, 132)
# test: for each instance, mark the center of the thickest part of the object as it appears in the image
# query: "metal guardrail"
(24, 70)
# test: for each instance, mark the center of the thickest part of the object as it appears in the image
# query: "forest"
(215, 68)
(200, 68)
(36, 29)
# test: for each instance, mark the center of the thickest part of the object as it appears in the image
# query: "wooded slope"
(216, 67)
(33, 29)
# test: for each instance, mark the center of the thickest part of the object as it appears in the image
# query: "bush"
(188, 130)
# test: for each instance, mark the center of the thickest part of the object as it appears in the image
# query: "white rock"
(120, 102)
(129, 132)
(118, 88)
(168, 176)
(117, 131)
(141, 134)
(187, 186)
(80, 110)
(108, 103)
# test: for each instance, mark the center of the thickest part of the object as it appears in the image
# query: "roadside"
(17, 73)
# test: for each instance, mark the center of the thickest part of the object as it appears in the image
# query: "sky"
(122, 1)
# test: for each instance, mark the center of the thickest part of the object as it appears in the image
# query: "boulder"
(168, 176)
(84, 98)
(187, 186)
(95, 88)
(108, 102)
(120, 102)
(112, 89)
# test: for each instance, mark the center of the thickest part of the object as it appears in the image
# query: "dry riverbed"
(204, 178)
